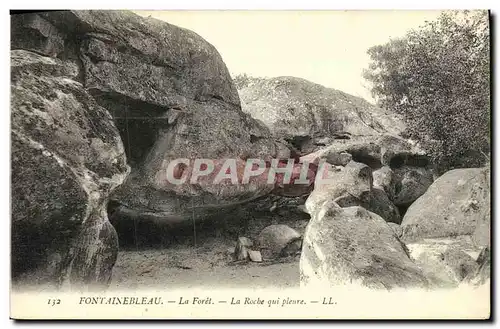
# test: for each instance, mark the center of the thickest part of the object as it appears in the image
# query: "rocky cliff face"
(67, 157)
(83, 82)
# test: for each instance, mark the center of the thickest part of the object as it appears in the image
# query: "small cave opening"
(138, 123)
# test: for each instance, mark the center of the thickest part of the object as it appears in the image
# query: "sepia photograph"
(258, 164)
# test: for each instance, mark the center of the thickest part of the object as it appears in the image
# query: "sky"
(325, 47)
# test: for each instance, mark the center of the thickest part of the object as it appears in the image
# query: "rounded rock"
(278, 240)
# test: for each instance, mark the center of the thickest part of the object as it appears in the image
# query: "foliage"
(241, 80)
(438, 78)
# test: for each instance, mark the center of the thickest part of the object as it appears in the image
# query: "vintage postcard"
(250, 164)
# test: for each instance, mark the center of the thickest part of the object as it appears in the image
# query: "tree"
(438, 78)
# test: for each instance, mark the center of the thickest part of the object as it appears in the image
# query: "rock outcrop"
(83, 82)
(352, 246)
(401, 172)
(444, 232)
(447, 261)
(309, 115)
(67, 157)
(384, 179)
(170, 95)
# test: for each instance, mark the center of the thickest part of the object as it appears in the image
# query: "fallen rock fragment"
(255, 256)
(241, 249)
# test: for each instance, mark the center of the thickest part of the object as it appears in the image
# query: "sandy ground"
(152, 262)
(182, 265)
(207, 265)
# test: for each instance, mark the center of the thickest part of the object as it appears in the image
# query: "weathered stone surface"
(445, 261)
(457, 203)
(344, 246)
(67, 157)
(384, 178)
(255, 256)
(299, 184)
(208, 195)
(170, 95)
(306, 113)
(450, 219)
(379, 203)
(362, 149)
(339, 159)
(482, 273)
(352, 186)
(374, 150)
(396, 152)
(398, 231)
(277, 240)
(35, 33)
(411, 183)
(482, 233)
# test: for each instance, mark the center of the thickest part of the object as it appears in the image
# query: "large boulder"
(309, 115)
(170, 95)
(448, 227)
(351, 186)
(67, 157)
(352, 246)
(457, 203)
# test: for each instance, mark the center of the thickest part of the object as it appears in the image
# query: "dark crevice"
(403, 210)
(299, 142)
(341, 136)
(255, 139)
(202, 98)
(142, 120)
(397, 161)
(368, 160)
